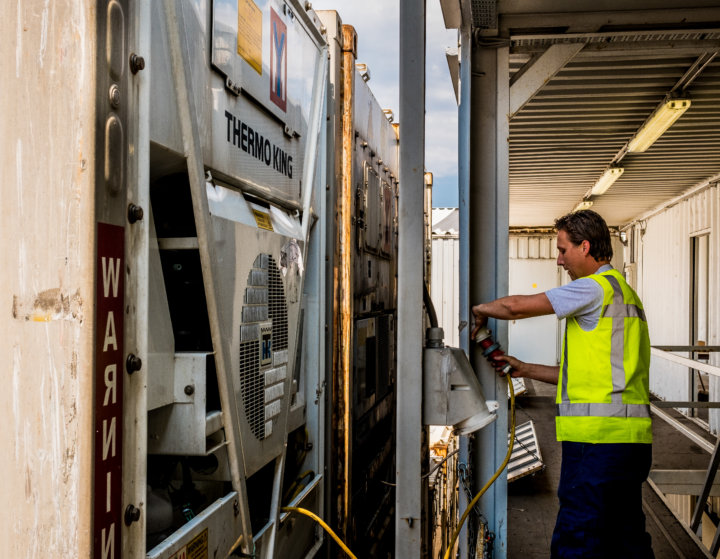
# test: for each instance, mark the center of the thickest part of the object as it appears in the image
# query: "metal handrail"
(693, 364)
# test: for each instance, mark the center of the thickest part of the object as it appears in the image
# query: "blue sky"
(376, 23)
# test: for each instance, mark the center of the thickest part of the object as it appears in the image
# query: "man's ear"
(585, 247)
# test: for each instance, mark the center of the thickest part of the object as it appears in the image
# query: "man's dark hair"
(587, 225)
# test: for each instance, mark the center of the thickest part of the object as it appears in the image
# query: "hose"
(429, 307)
(493, 478)
(296, 486)
(320, 521)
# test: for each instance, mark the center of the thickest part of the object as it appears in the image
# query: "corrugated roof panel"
(563, 139)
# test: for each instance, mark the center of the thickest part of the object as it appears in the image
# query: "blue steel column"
(465, 37)
(489, 221)
(408, 497)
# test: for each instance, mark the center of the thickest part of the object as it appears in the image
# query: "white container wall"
(444, 285)
(670, 248)
(533, 269)
(47, 141)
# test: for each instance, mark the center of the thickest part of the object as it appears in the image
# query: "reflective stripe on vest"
(568, 409)
(617, 310)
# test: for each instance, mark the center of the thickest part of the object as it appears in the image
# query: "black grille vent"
(277, 307)
(252, 387)
(263, 332)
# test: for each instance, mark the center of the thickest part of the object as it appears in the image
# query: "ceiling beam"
(453, 61)
(538, 71)
(452, 13)
(590, 21)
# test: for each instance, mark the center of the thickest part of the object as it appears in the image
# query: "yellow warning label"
(263, 220)
(196, 549)
(249, 33)
(198, 546)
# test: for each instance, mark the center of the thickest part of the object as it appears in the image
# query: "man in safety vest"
(603, 411)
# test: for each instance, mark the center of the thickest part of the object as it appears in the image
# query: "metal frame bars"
(137, 255)
(709, 478)
(193, 153)
(464, 114)
(489, 203)
(410, 277)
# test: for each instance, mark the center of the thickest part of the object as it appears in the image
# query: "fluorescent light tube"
(657, 124)
(584, 205)
(607, 179)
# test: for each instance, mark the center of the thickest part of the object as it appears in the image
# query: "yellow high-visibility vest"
(603, 388)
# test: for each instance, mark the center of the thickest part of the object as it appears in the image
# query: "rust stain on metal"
(49, 305)
(342, 342)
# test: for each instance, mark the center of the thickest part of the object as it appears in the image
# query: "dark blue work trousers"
(600, 496)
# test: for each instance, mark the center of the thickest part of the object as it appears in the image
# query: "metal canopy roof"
(592, 97)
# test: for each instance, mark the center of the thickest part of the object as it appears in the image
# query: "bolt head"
(132, 514)
(137, 63)
(114, 96)
(135, 213)
(133, 363)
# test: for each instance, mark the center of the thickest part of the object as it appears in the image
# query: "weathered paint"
(46, 150)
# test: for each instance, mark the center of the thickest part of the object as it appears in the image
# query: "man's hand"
(535, 371)
(480, 321)
(517, 365)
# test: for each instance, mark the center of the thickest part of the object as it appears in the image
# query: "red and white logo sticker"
(278, 60)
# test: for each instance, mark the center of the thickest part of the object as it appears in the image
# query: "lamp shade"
(607, 179)
(662, 119)
(452, 394)
(584, 205)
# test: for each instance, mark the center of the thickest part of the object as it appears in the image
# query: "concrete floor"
(533, 504)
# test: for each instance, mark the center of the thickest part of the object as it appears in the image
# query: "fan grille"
(264, 310)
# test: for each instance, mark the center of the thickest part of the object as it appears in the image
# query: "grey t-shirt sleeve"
(581, 299)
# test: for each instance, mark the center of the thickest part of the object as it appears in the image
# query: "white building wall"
(664, 282)
(444, 285)
(533, 269)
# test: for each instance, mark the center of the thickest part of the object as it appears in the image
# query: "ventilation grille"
(277, 307)
(251, 383)
(263, 346)
(484, 13)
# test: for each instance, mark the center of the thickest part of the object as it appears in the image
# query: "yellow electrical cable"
(492, 479)
(320, 521)
(294, 489)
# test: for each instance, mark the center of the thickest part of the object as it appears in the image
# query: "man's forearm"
(544, 373)
(514, 307)
(500, 308)
(535, 371)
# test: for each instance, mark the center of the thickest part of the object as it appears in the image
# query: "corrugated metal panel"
(564, 138)
(444, 286)
(713, 212)
(665, 280)
(682, 506)
(583, 115)
(533, 246)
